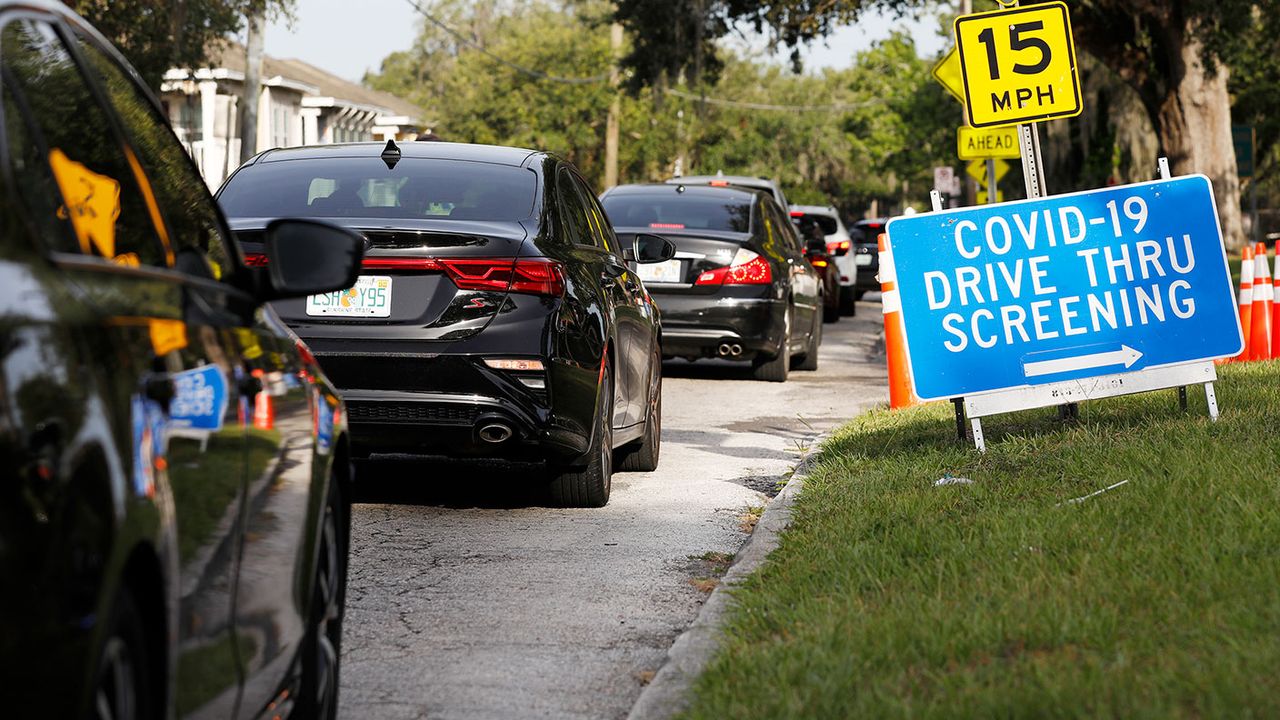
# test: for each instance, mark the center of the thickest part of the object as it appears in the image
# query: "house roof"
(231, 56)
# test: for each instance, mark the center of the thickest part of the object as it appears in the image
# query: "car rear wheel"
(831, 310)
(642, 455)
(123, 687)
(848, 302)
(589, 486)
(323, 645)
(775, 369)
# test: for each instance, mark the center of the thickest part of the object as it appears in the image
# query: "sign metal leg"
(935, 197)
(1182, 397)
(961, 433)
(1212, 397)
(991, 180)
(979, 441)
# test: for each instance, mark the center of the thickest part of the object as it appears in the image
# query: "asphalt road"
(468, 598)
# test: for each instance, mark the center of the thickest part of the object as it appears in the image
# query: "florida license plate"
(663, 272)
(369, 297)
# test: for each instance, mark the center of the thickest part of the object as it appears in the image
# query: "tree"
(1172, 52)
(156, 35)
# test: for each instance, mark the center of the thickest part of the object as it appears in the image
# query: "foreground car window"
(672, 211)
(365, 187)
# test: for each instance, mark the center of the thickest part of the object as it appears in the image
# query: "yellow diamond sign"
(978, 170)
(947, 72)
(1018, 65)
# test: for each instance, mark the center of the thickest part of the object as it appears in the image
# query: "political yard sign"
(1067, 287)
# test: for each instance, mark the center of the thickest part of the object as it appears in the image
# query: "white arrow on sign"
(1126, 356)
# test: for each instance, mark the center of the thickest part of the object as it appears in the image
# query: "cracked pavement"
(468, 598)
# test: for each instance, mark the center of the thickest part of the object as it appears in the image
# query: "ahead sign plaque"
(1018, 65)
(1124, 279)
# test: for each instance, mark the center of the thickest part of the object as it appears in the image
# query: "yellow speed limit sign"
(1019, 65)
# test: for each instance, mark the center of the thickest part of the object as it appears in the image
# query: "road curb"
(668, 693)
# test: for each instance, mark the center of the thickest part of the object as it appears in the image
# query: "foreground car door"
(273, 442)
(158, 332)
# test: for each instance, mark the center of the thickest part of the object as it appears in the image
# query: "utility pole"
(615, 109)
(252, 86)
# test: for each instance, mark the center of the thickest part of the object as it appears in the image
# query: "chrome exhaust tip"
(725, 349)
(494, 433)
(735, 349)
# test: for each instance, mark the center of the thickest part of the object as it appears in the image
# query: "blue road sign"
(1064, 287)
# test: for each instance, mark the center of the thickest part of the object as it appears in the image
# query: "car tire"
(123, 685)
(322, 647)
(774, 369)
(831, 312)
(848, 302)
(642, 455)
(809, 361)
(858, 295)
(588, 487)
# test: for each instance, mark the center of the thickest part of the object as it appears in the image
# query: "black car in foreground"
(173, 463)
(739, 286)
(496, 314)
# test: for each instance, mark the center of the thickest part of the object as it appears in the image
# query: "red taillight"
(667, 226)
(748, 268)
(797, 213)
(255, 259)
(719, 183)
(533, 277)
(834, 247)
(818, 263)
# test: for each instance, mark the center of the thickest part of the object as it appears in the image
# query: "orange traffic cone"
(1275, 306)
(1260, 317)
(1246, 300)
(264, 413)
(895, 348)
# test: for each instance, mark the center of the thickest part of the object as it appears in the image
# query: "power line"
(836, 107)
(603, 77)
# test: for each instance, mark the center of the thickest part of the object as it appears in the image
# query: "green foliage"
(156, 35)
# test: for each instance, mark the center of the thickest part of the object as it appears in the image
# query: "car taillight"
(797, 213)
(818, 262)
(834, 247)
(531, 277)
(747, 268)
(255, 259)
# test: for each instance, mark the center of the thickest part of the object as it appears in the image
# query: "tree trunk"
(1193, 120)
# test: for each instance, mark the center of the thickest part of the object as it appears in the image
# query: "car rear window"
(365, 187)
(805, 220)
(866, 233)
(669, 211)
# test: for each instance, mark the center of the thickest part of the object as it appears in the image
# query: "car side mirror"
(306, 257)
(649, 249)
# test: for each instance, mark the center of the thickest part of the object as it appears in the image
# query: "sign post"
(1047, 301)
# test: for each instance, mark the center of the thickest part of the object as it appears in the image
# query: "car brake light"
(719, 183)
(530, 277)
(797, 213)
(818, 263)
(834, 247)
(747, 268)
(255, 259)
(667, 226)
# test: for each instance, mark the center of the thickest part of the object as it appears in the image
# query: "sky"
(329, 35)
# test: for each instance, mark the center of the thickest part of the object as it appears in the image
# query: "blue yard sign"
(1065, 287)
(200, 399)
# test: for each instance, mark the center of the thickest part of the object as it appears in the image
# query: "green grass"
(890, 597)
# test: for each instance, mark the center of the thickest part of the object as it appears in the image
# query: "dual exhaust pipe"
(729, 350)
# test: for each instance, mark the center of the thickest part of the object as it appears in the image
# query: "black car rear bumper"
(697, 326)
(453, 404)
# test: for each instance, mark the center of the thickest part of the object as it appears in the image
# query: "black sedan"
(739, 286)
(173, 463)
(496, 314)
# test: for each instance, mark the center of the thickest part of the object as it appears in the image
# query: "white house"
(299, 104)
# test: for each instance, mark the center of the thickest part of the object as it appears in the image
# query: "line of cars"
(185, 384)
